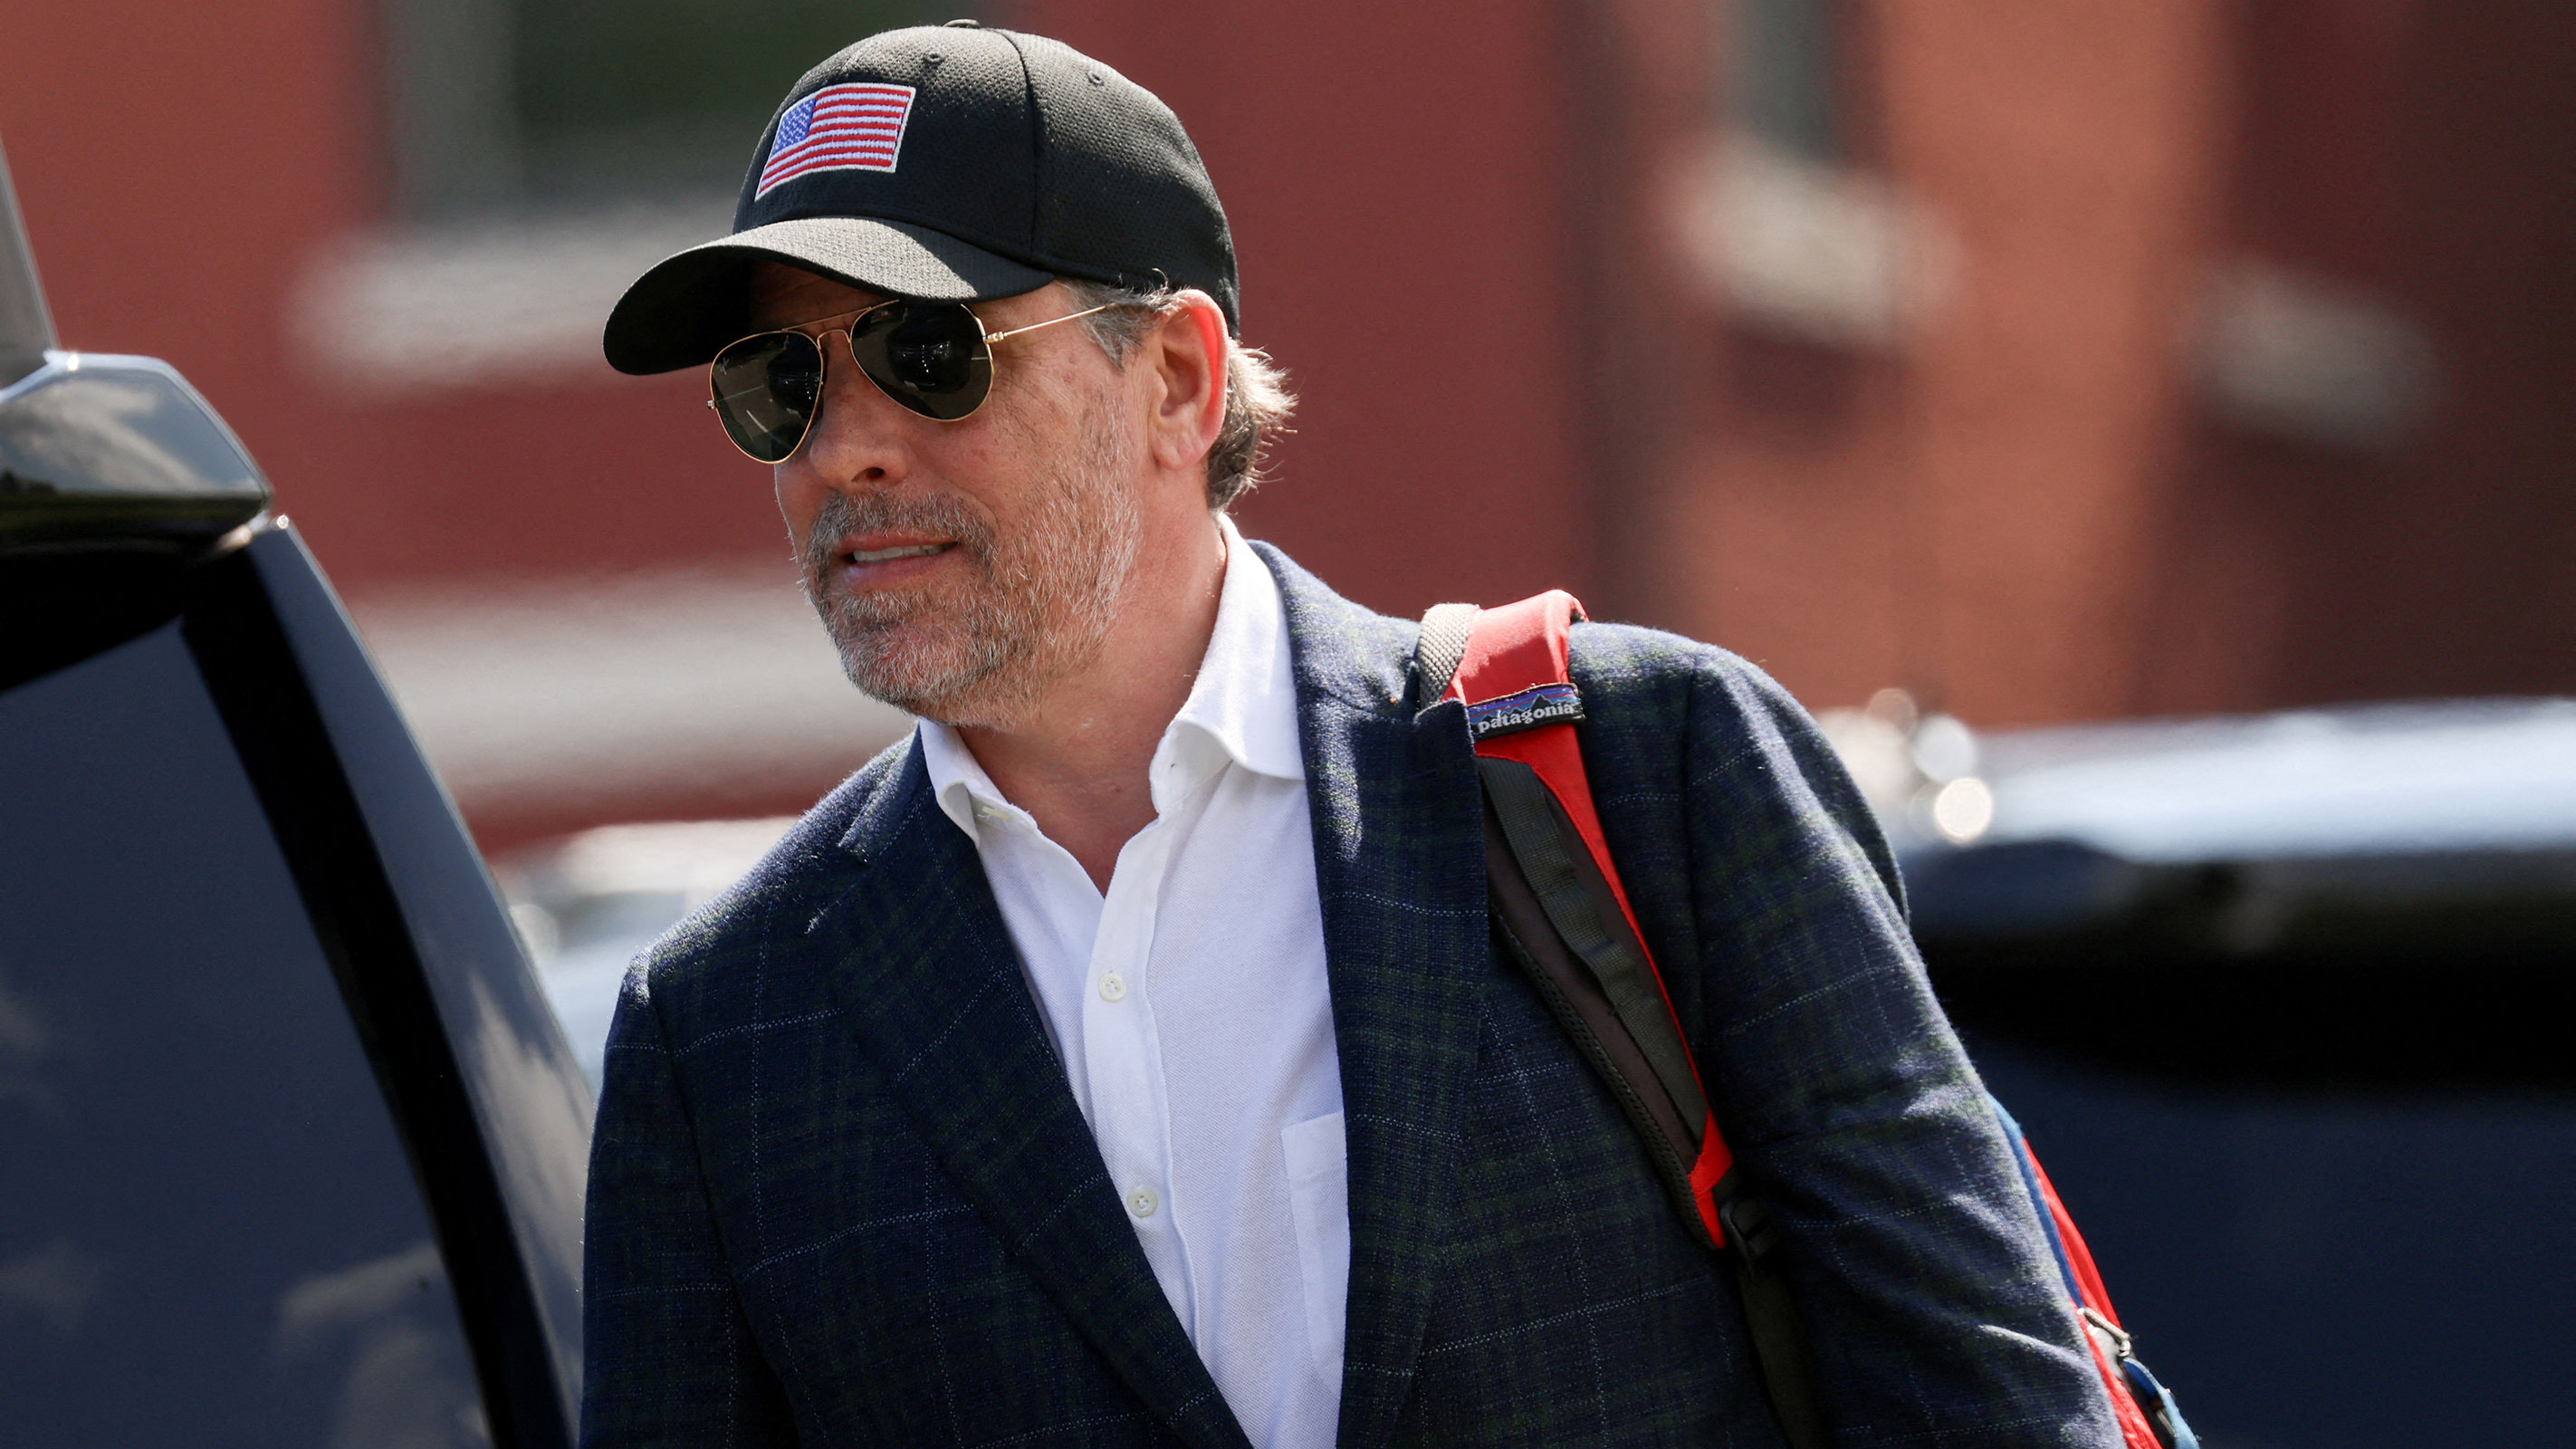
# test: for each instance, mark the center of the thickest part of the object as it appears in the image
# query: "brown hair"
(1257, 400)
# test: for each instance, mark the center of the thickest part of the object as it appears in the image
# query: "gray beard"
(1035, 610)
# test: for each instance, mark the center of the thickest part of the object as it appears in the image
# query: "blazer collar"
(924, 970)
(1399, 869)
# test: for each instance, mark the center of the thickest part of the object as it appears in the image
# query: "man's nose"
(858, 441)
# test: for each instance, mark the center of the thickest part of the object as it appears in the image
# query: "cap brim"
(690, 305)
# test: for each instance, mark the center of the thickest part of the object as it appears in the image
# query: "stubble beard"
(1039, 601)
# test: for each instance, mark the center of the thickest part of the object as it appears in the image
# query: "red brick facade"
(2033, 488)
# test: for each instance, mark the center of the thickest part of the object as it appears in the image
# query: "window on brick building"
(1786, 226)
(535, 103)
(1781, 78)
(541, 154)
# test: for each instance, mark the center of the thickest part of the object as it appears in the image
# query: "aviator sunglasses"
(933, 357)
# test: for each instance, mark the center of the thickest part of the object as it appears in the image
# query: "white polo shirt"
(1190, 1007)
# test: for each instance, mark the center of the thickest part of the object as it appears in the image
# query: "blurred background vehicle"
(589, 904)
(293, 1150)
(2281, 1001)
(2053, 365)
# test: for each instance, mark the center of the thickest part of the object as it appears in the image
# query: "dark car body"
(291, 1148)
(2283, 1003)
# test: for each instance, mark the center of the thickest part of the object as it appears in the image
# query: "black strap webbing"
(1561, 871)
(1531, 923)
(1771, 1314)
(1556, 917)
(1576, 1000)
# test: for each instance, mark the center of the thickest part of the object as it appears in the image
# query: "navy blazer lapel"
(1399, 868)
(924, 970)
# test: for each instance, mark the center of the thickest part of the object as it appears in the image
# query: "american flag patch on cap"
(856, 127)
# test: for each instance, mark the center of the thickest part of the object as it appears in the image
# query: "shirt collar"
(1242, 706)
(1245, 696)
(957, 778)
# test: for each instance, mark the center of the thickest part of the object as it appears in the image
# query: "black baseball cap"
(947, 163)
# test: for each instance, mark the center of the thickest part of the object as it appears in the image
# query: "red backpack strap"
(1560, 907)
(1522, 706)
(2148, 1416)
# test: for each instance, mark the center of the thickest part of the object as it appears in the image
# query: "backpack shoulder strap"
(1442, 645)
(1560, 909)
(1514, 678)
(2148, 1416)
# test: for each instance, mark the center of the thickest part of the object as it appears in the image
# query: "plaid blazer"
(840, 1193)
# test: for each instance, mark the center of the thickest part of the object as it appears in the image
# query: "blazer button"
(1141, 1202)
(1113, 987)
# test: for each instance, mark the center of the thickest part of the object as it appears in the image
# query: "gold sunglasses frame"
(850, 345)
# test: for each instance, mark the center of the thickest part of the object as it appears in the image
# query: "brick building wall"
(2228, 384)
(2142, 357)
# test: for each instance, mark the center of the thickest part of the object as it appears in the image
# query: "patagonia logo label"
(1549, 704)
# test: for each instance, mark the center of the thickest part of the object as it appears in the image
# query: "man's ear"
(1187, 353)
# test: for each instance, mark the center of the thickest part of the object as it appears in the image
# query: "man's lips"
(901, 550)
(877, 561)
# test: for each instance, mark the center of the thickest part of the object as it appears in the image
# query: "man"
(1125, 1057)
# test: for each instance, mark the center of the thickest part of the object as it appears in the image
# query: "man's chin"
(929, 678)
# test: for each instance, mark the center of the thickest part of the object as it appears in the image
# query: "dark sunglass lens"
(766, 390)
(930, 357)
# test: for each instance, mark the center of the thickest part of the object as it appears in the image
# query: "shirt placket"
(1130, 1112)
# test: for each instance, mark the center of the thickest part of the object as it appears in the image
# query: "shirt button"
(1142, 1202)
(1113, 987)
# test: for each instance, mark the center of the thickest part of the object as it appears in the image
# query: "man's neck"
(1080, 760)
